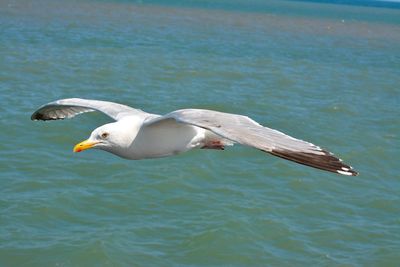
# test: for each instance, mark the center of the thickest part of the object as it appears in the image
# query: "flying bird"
(136, 134)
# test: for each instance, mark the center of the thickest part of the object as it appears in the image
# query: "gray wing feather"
(243, 130)
(70, 107)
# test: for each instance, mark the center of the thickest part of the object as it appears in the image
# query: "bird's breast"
(164, 139)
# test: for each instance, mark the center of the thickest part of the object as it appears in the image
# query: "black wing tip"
(324, 161)
(37, 116)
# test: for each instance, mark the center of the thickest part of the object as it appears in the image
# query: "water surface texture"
(326, 73)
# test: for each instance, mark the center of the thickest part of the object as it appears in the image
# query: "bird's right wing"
(70, 107)
(245, 131)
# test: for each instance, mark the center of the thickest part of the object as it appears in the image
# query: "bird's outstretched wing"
(70, 107)
(243, 130)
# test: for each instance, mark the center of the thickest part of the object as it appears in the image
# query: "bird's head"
(107, 137)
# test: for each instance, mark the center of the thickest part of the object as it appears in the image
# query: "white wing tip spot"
(344, 172)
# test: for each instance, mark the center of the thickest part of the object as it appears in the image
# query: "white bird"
(138, 135)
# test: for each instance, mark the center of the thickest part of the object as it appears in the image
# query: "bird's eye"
(104, 135)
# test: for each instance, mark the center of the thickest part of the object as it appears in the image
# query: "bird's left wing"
(243, 130)
(70, 107)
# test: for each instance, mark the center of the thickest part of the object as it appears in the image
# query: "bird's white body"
(133, 139)
(161, 140)
(174, 139)
(139, 135)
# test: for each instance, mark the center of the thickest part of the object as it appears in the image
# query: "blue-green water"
(326, 73)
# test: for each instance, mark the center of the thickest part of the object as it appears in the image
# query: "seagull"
(135, 134)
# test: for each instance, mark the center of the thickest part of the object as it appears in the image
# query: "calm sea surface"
(326, 73)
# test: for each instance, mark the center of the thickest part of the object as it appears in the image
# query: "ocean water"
(328, 73)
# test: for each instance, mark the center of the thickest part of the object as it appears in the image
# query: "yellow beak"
(84, 145)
